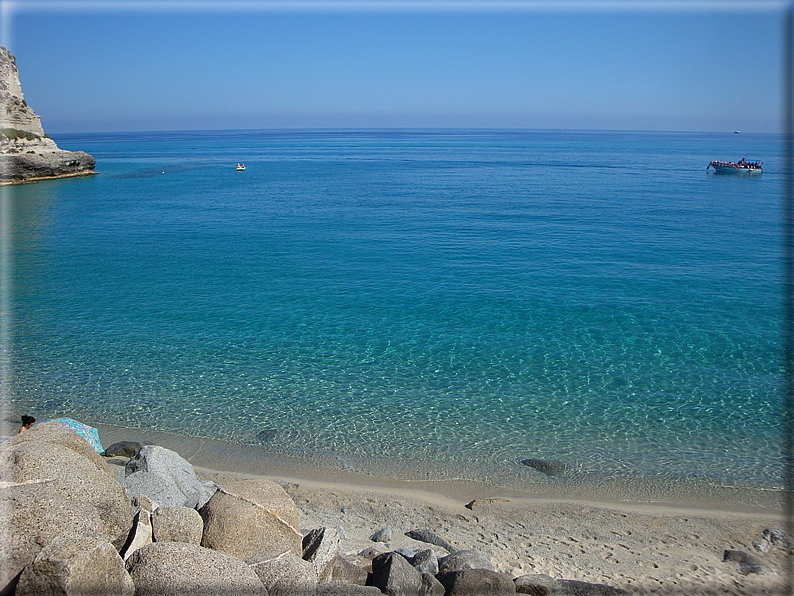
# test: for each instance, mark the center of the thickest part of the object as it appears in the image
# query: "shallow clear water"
(466, 298)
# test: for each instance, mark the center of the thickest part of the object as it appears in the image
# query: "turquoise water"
(436, 299)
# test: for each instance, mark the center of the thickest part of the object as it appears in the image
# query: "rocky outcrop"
(26, 152)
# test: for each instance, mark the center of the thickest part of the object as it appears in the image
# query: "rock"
(464, 559)
(340, 589)
(425, 561)
(570, 587)
(141, 533)
(123, 448)
(762, 546)
(31, 516)
(384, 535)
(320, 546)
(142, 502)
(25, 151)
(746, 562)
(395, 576)
(483, 582)
(76, 567)
(431, 586)
(345, 569)
(177, 524)
(50, 451)
(250, 517)
(482, 502)
(284, 574)
(538, 584)
(181, 569)
(547, 466)
(369, 553)
(408, 553)
(169, 464)
(429, 536)
(157, 488)
(778, 537)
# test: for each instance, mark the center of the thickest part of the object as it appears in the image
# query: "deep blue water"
(467, 298)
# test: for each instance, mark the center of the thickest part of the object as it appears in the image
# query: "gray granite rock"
(76, 567)
(141, 533)
(347, 569)
(170, 465)
(431, 586)
(160, 489)
(384, 535)
(250, 517)
(181, 569)
(31, 516)
(429, 536)
(395, 576)
(482, 582)
(464, 559)
(177, 524)
(284, 574)
(50, 451)
(535, 584)
(425, 561)
(320, 546)
(746, 563)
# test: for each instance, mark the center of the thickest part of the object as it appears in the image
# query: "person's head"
(27, 422)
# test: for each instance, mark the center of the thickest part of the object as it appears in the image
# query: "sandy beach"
(638, 546)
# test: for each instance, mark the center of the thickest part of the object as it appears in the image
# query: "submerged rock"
(547, 466)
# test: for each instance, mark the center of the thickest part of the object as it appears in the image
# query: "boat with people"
(755, 166)
(240, 167)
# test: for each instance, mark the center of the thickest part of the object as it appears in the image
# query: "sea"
(416, 304)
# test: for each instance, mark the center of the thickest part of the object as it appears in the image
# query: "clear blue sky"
(130, 66)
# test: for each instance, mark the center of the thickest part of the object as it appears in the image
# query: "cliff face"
(26, 152)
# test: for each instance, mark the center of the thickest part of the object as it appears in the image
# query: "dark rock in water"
(429, 536)
(747, 563)
(570, 587)
(549, 467)
(123, 448)
(266, 435)
(482, 582)
(535, 584)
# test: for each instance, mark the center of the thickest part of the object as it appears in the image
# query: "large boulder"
(395, 576)
(31, 516)
(320, 546)
(50, 451)
(177, 524)
(251, 517)
(160, 489)
(76, 567)
(477, 581)
(285, 574)
(464, 559)
(171, 466)
(181, 569)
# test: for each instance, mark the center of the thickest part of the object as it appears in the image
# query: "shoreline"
(215, 456)
(33, 180)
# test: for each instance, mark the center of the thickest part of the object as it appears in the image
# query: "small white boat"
(742, 166)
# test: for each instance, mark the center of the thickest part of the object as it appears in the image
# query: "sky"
(134, 65)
